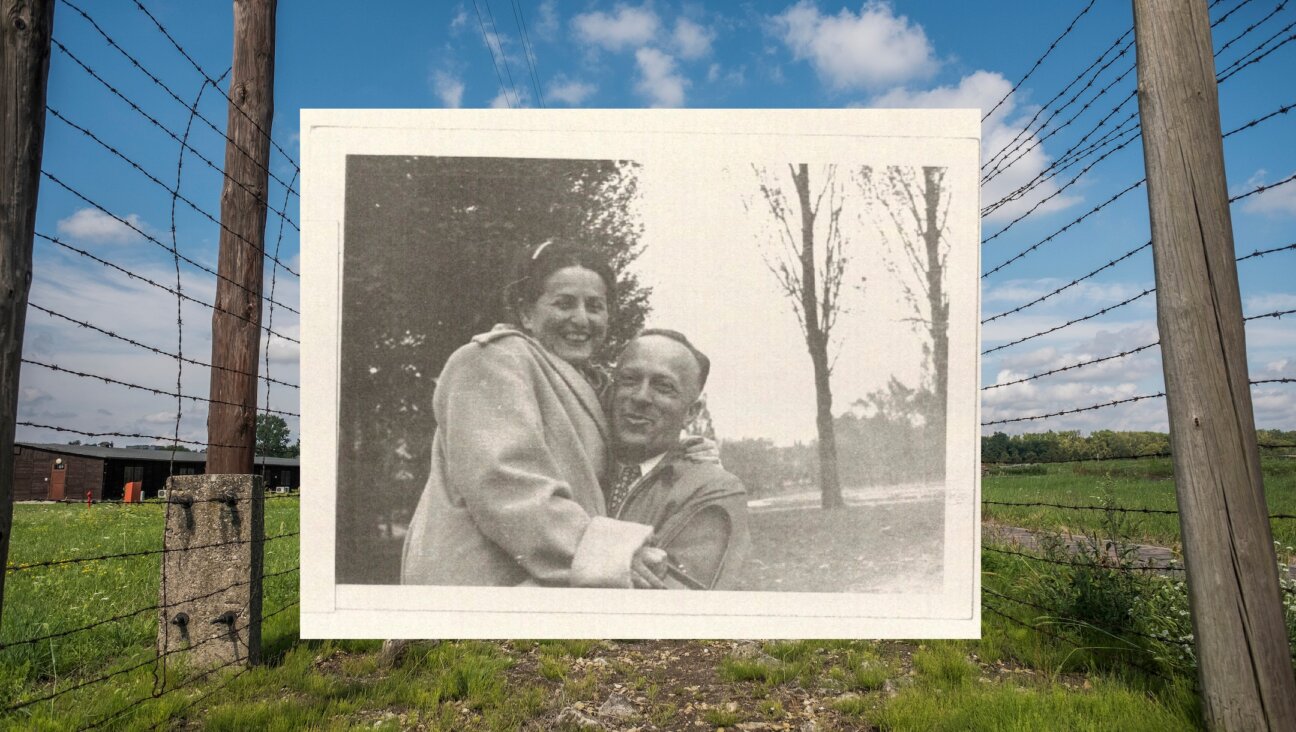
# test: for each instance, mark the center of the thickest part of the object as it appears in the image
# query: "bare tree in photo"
(917, 208)
(813, 285)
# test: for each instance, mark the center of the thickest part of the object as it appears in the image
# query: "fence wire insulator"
(1073, 366)
(1070, 27)
(147, 347)
(1069, 323)
(1074, 222)
(201, 71)
(149, 237)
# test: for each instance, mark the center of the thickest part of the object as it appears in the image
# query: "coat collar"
(587, 393)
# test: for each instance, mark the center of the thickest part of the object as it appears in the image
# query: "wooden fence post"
(236, 321)
(25, 30)
(1242, 655)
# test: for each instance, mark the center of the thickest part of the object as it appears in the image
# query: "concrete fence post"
(210, 594)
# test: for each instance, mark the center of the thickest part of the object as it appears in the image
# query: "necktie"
(621, 489)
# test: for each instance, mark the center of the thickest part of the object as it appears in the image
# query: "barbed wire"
(1262, 188)
(13, 568)
(140, 611)
(1108, 458)
(1058, 191)
(274, 279)
(1076, 410)
(1106, 629)
(157, 694)
(140, 387)
(1070, 158)
(192, 108)
(1125, 569)
(1073, 366)
(173, 191)
(197, 67)
(1069, 285)
(1246, 31)
(1248, 59)
(1115, 197)
(1113, 509)
(1071, 26)
(1026, 129)
(1226, 16)
(160, 286)
(133, 435)
(173, 250)
(1284, 109)
(170, 133)
(1274, 314)
(1071, 322)
(147, 347)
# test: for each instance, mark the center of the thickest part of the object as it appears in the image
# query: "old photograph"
(649, 374)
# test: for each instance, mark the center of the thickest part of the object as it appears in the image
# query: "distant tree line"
(888, 447)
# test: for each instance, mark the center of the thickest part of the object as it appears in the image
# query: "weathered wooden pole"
(25, 30)
(231, 420)
(1244, 666)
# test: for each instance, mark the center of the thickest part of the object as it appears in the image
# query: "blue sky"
(601, 54)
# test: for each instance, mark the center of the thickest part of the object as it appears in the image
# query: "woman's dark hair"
(534, 265)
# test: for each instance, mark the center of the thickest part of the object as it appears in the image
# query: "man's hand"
(648, 567)
(698, 449)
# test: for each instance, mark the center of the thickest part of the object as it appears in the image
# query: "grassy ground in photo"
(1079, 647)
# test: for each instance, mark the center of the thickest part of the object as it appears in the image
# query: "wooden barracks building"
(68, 472)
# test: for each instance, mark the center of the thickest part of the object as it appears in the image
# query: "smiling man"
(698, 510)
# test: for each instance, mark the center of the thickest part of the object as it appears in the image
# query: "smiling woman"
(514, 495)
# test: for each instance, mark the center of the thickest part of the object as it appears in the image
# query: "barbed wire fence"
(129, 97)
(179, 115)
(1103, 555)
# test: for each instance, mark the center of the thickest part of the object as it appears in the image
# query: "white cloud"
(547, 24)
(627, 27)
(569, 91)
(658, 80)
(508, 98)
(871, 50)
(460, 19)
(1280, 201)
(448, 89)
(692, 40)
(1268, 302)
(733, 77)
(982, 90)
(93, 225)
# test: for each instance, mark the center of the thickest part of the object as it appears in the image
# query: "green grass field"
(1146, 483)
(1079, 648)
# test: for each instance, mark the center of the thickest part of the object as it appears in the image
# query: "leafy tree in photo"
(429, 246)
(272, 437)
